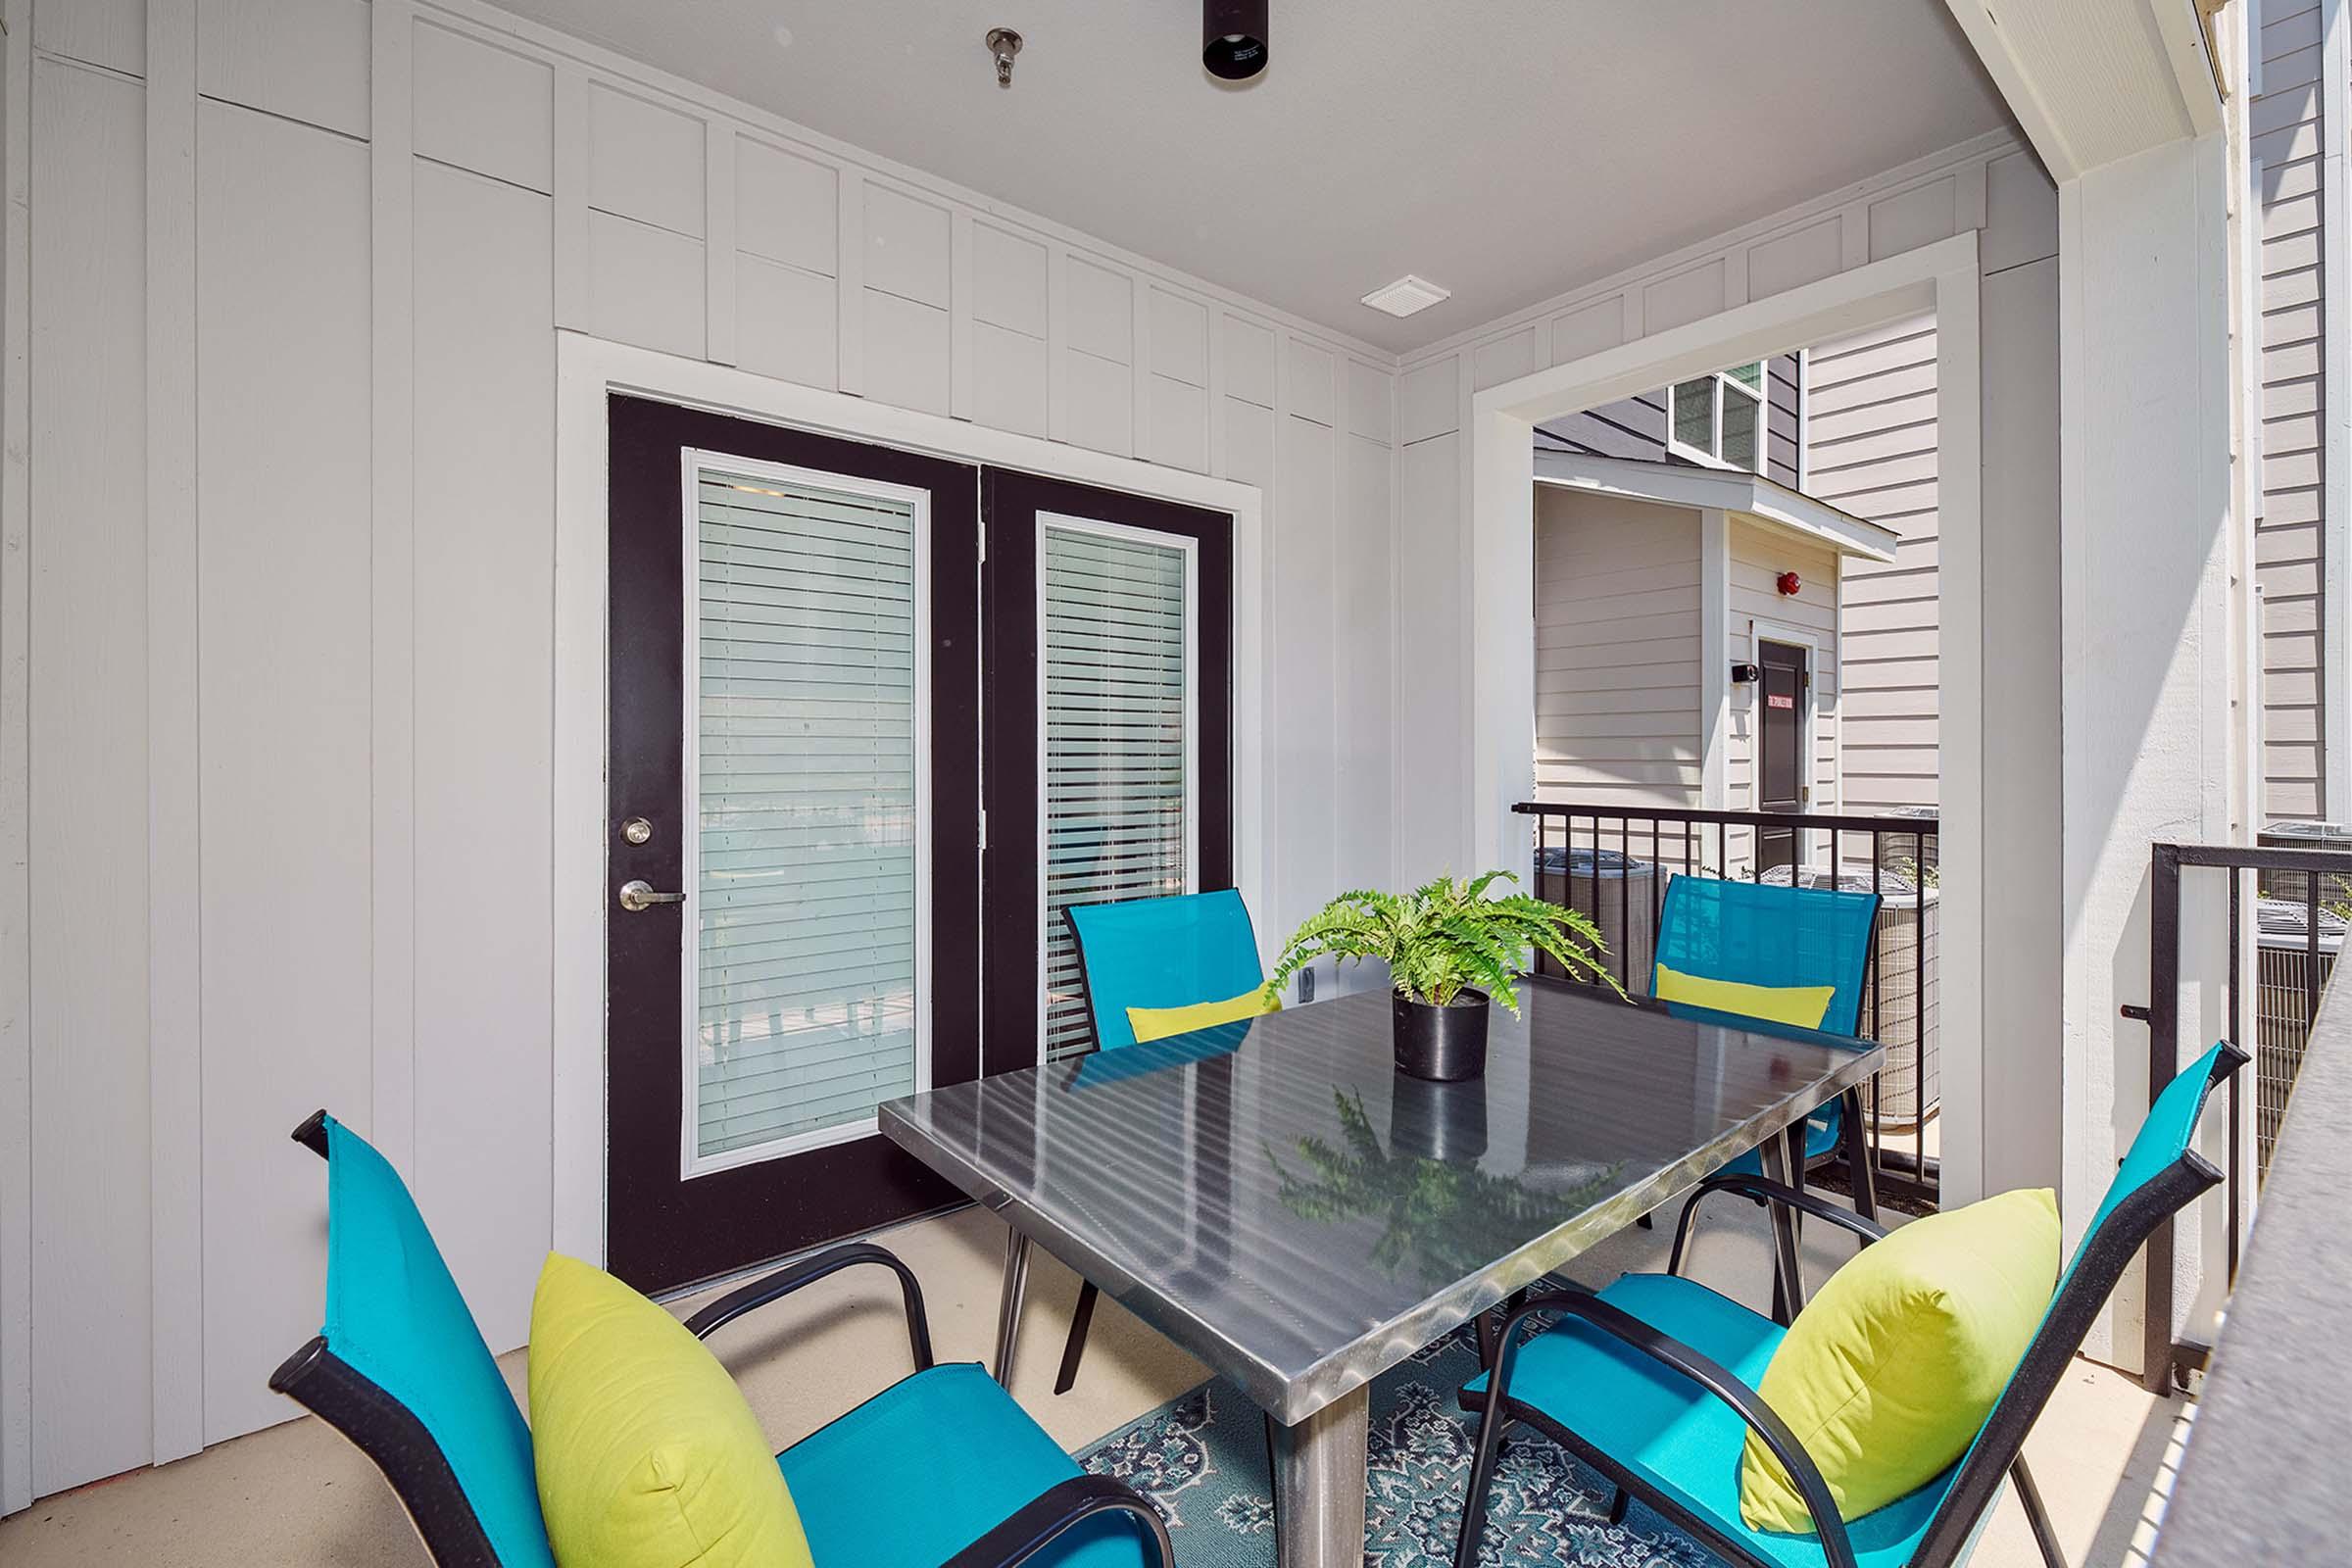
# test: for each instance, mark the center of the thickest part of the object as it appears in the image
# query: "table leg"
(1857, 1158)
(1319, 1485)
(1008, 1306)
(1787, 1284)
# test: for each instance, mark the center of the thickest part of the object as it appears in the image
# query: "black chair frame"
(390, 1434)
(1998, 1448)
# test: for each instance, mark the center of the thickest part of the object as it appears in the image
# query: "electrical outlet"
(1307, 984)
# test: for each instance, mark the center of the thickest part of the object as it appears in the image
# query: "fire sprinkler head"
(1004, 44)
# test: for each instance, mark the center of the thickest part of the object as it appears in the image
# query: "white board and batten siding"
(1870, 449)
(2297, 178)
(349, 234)
(1617, 651)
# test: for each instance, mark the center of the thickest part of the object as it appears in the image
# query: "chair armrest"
(1035, 1524)
(1635, 1335)
(807, 1271)
(1768, 1191)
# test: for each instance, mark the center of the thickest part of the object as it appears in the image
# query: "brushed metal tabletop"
(1274, 1197)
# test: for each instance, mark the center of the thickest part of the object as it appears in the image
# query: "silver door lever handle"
(638, 895)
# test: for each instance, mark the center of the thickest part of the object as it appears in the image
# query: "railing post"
(2164, 1059)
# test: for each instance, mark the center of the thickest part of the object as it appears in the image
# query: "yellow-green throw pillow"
(1802, 1006)
(646, 1455)
(1889, 1371)
(1159, 1023)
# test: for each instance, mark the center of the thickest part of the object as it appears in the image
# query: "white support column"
(392, 1117)
(175, 1045)
(1502, 520)
(16, 935)
(2145, 616)
(1714, 657)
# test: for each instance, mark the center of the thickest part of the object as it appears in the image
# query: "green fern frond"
(1446, 935)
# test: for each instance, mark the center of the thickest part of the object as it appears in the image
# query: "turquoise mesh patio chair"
(1652, 1381)
(940, 1468)
(1763, 934)
(1161, 952)
(1156, 952)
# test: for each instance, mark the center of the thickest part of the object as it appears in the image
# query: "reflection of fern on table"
(1446, 1219)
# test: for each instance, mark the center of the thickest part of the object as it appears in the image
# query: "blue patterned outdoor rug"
(1201, 1460)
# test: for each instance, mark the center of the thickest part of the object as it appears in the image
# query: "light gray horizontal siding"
(1871, 449)
(2286, 121)
(1617, 680)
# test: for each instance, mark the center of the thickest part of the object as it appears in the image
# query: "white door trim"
(587, 371)
(1941, 277)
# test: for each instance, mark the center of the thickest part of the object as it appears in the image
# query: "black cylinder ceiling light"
(1233, 38)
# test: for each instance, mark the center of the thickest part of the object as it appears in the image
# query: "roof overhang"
(1762, 501)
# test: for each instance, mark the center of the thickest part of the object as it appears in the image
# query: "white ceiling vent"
(1406, 295)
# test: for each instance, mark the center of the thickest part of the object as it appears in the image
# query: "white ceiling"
(1506, 149)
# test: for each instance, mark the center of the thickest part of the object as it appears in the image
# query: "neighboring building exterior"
(1870, 449)
(2298, 179)
(1620, 680)
(1653, 580)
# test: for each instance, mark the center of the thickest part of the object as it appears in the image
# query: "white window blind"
(806, 629)
(1118, 716)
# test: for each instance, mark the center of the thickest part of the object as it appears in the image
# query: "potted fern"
(1450, 949)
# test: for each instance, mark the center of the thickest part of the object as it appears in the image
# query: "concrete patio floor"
(297, 1495)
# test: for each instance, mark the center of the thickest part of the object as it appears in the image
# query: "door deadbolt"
(637, 830)
(637, 895)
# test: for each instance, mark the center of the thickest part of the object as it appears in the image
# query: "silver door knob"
(639, 895)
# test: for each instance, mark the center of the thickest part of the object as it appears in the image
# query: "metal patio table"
(1274, 1197)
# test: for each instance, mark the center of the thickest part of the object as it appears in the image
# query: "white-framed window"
(1721, 420)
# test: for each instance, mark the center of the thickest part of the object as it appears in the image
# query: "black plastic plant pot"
(1444, 1045)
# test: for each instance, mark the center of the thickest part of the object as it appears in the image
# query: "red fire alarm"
(1789, 584)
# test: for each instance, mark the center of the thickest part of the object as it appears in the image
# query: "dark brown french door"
(796, 920)
(800, 770)
(1109, 731)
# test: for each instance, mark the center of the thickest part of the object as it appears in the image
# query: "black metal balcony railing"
(1612, 863)
(2301, 899)
(2262, 1479)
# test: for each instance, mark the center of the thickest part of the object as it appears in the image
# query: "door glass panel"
(1115, 607)
(807, 772)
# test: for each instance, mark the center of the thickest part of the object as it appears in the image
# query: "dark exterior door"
(1109, 731)
(792, 895)
(1780, 747)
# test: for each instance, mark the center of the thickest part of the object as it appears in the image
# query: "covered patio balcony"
(826, 688)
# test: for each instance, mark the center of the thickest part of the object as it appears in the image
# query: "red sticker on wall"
(1777, 701)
